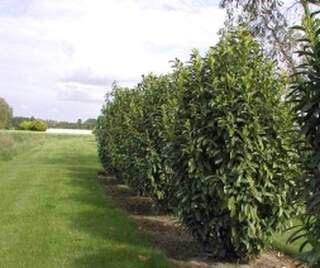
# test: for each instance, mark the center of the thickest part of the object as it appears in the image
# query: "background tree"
(5, 114)
(79, 123)
(90, 123)
(270, 22)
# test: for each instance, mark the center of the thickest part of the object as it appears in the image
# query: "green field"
(55, 214)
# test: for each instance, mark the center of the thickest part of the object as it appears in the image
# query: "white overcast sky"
(58, 58)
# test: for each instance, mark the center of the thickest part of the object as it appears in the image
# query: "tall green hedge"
(134, 136)
(121, 141)
(159, 111)
(212, 141)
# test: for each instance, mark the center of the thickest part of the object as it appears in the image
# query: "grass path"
(53, 213)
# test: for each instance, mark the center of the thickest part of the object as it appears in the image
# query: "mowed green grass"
(279, 242)
(53, 213)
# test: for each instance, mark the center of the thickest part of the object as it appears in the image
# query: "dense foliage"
(306, 98)
(212, 141)
(33, 125)
(5, 114)
(234, 149)
(159, 110)
(141, 121)
(120, 132)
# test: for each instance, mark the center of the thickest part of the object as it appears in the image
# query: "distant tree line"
(8, 121)
(87, 124)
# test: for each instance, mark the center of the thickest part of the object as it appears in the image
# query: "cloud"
(76, 92)
(90, 77)
(177, 5)
(87, 77)
(57, 53)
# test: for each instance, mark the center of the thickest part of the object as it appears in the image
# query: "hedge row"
(211, 141)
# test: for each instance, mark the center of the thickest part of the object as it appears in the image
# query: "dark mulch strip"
(107, 180)
(166, 233)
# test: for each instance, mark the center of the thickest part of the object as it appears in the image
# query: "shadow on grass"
(115, 258)
(108, 238)
(116, 240)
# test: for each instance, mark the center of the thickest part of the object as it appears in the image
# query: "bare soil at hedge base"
(167, 234)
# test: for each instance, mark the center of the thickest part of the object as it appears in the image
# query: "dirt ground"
(166, 233)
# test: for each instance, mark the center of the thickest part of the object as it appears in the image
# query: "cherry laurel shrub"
(212, 142)
(159, 110)
(235, 159)
(102, 142)
(120, 144)
(134, 136)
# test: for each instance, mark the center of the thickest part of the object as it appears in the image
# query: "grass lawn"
(279, 241)
(55, 214)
